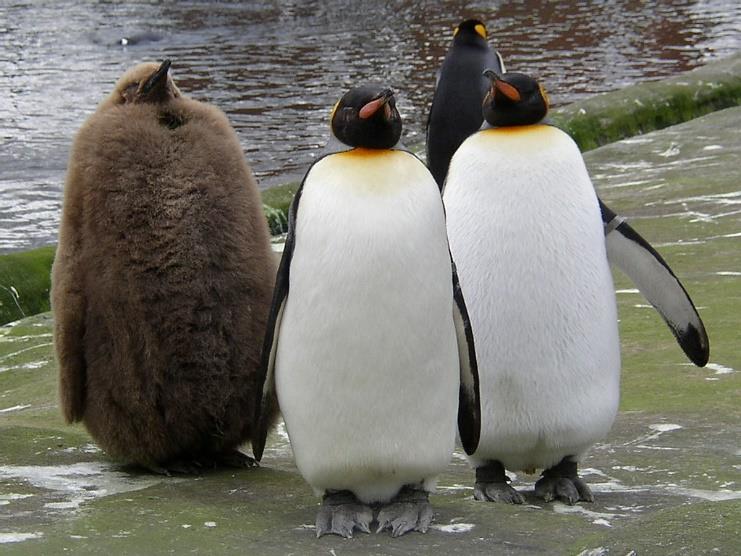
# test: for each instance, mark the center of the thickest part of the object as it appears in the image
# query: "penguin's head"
(470, 31)
(367, 117)
(514, 99)
(148, 82)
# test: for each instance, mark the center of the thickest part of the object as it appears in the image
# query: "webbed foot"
(236, 459)
(341, 513)
(492, 485)
(198, 464)
(410, 510)
(562, 482)
(175, 467)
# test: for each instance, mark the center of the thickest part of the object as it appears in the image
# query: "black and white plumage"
(528, 235)
(369, 346)
(460, 89)
(648, 270)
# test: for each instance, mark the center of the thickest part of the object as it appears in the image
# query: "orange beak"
(507, 90)
(373, 106)
(503, 87)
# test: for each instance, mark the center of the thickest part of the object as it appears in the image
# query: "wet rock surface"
(666, 480)
(652, 105)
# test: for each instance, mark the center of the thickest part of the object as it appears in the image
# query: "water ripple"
(276, 69)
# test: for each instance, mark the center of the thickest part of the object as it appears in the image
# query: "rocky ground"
(666, 480)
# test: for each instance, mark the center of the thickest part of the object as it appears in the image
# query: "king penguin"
(460, 89)
(162, 280)
(368, 344)
(532, 240)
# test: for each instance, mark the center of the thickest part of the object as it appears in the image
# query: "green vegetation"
(25, 280)
(653, 105)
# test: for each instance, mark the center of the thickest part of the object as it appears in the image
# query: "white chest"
(367, 363)
(526, 235)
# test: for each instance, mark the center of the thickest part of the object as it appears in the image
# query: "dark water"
(277, 67)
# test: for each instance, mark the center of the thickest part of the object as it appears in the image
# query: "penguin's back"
(456, 105)
(178, 273)
(367, 363)
(526, 234)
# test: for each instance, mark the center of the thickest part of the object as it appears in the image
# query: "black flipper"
(469, 400)
(266, 376)
(651, 274)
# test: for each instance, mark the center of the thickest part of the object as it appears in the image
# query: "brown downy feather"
(163, 277)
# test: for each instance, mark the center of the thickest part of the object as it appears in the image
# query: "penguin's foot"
(156, 469)
(492, 485)
(340, 513)
(176, 467)
(410, 510)
(562, 482)
(235, 458)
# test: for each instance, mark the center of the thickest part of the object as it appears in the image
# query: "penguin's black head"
(146, 82)
(470, 31)
(367, 117)
(514, 99)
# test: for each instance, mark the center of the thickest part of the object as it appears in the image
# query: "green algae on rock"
(279, 198)
(664, 476)
(25, 279)
(277, 219)
(653, 105)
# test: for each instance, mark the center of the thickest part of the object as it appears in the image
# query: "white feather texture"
(367, 369)
(527, 237)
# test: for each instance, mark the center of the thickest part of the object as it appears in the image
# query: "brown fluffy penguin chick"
(162, 280)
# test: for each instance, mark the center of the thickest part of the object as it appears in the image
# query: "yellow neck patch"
(517, 140)
(371, 171)
(367, 153)
(517, 129)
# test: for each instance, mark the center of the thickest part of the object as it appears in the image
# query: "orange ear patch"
(481, 30)
(334, 109)
(507, 90)
(544, 94)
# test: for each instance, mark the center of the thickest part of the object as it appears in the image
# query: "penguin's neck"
(512, 128)
(366, 152)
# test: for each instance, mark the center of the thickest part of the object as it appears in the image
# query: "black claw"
(492, 485)
(562, 481)
(585, 493)
(341, 513)
(410, 510)
(566, 491)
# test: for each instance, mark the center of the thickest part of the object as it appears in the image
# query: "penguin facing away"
(455, 112)
(528, 237)
(368, 344)
(162, 280)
